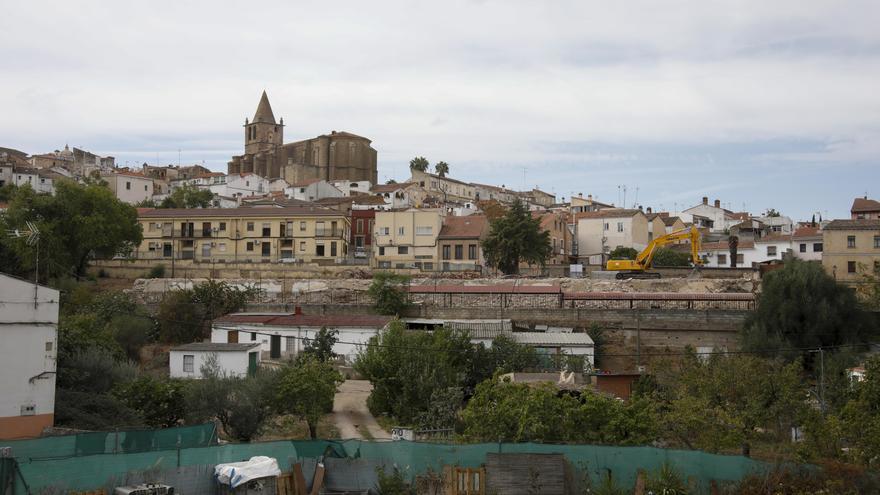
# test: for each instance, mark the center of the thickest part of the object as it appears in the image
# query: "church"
(334, 156)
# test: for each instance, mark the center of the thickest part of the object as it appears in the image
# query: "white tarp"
(237, 473)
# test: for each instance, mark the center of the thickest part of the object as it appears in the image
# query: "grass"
(292, 428)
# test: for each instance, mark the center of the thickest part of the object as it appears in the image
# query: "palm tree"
(442, 168)
(419, 163)
(733, 244)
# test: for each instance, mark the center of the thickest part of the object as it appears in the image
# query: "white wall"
(348, 187)
(292, 338)
(811, 254)
(139, 189)
(232, 363)
(29, 346)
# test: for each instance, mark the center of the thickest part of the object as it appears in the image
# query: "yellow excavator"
(638, 267)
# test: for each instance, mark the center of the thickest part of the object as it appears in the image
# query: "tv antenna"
(32, 238)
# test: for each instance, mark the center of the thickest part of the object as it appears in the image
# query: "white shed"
(235, 360)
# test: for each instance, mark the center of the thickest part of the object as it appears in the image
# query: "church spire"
(264, 111)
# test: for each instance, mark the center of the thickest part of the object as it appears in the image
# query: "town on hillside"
(292, 325)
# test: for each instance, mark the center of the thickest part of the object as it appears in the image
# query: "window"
(222, 247)
(222, 226)
(620, 226)
(188, 363)
(472, 251)
(249, 246)
(302, 226)
(49, 346)
(206, 249)
(253, 336)
(850, 241)
(850, 266)
(605, 227)
(722, 260)
(302, 246)
(446, 251)
(425, 230)
(250, 226)
(128, 186)
(740, 259)
(266, 248)
(459, 251)
(332, 249)
(384, 231)
(817, 247)
(319, 249)
(876, 241)
(803, 248)
(267, 230)
(360, 226)
(145, 187)
(381, 251)
(400, 230)
(403, 250)
(771, 250)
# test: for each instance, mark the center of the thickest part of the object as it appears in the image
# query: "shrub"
(387, 290)
(157, 271)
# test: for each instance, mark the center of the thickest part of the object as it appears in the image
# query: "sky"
(758, 104)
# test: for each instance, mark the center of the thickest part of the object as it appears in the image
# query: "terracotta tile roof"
(470, 227)
(141, 211)
(608, 213)
(723, 246)
(807, 231)
(367, 200)
(864, 204)
(670, 221)
(288, 211)
(216, 347)
(294, 320)
(866, 224)
(384, 188)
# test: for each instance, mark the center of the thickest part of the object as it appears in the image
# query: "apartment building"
(129, 187)
(444, 188)
(600, 232)
(556, 223)
(713, 217)
(406, 238)
(460, 242)
(295, 233)
(851, 248)
(806, 243)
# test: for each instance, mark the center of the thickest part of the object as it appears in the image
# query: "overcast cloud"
(757, 103)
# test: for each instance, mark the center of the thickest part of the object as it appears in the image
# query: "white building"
(773, 247)
(717, 254)
(713, 217)
(806, 243)
(353, 187)
(396, 195)
(777, 225)
(29, 332)
(129, 187)
(40, 180)
(602, 231)
(312, 190)
(286, 334)
(232, 360)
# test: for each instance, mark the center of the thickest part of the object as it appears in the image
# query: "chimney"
(581, 195)
(705, 200)
(717, 203)
(297, 310)
(649, 210)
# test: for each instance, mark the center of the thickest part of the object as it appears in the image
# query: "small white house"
(233, 360)
(312, 190)
(717, 254)
(282, 335)
(352, 187)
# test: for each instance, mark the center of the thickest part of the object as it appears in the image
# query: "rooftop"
(864, 204)
(295, 320)
(866, 224)
(471, 226)
(608, 213)
(216, 347)
(715, 246)
(384, 188)
(286, 211)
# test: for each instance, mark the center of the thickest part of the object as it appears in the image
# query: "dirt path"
(350, 411)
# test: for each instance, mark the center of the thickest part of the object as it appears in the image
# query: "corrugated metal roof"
(552, 338)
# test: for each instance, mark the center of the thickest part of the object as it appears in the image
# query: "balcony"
(331, 232)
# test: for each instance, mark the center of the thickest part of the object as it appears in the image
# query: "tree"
(733, 245)
(306, 388)
(185, 315)
(419, 163)
(492, 209)
(406, 368)
(188, 196)
(78, 223)
(861, 416)
(669, 257)
(321, 347)
(507, 355)
(441, 168)
(623, 253)
(516, 237)
(388, 293)
(771, 212)
(160, 401)
(800, 306)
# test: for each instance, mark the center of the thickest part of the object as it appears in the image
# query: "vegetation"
(306, 388)
(188, 196)
(156, 271)
(321, 347)
(669, 257)
(623, 253)
(733, 247)
(76, 224)
(514, 238)
(388, 291)
(800, 306)
(159, 401)
(441, 168)
(419, 163)
(185, 315)
(393, 483)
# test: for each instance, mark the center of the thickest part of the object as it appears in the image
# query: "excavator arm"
(645, 258)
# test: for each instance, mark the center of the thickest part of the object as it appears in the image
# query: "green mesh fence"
(91, 472)
(116, 442)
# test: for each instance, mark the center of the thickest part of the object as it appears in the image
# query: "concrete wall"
(27, 357)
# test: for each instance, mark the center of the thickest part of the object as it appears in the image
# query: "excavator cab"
(638, 268)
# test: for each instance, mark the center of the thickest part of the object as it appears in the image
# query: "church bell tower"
(263, 133)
